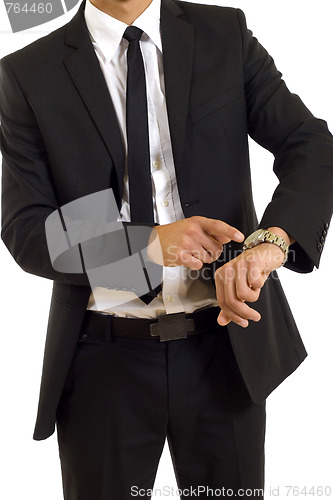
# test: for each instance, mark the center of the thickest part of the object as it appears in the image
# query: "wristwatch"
(265, 236)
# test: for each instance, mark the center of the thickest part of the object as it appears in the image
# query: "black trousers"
(124, 397)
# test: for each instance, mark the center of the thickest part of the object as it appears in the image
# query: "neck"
(126, 11)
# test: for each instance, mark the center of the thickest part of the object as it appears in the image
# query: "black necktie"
(138, 153)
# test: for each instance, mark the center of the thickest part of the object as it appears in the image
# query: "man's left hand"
(240, 281)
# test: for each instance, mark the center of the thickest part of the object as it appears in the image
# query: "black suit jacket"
(60, 141)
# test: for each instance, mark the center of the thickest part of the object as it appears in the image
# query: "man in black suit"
(114, 389)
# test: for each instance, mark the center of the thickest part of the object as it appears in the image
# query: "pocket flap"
(216, 103)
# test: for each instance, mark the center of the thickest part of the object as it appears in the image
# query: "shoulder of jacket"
(207, 10)
(212, 17)
(37, 50)
(216, 20)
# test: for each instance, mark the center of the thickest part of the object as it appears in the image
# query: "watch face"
(253, 237)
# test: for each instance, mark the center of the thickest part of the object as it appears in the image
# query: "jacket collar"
(107, 32)
(76, 32)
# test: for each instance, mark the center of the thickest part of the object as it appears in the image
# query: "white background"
(300, 414)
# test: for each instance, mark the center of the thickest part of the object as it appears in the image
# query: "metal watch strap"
(276, 240)
(266, 236)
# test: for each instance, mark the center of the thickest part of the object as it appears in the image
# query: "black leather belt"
(167, 327)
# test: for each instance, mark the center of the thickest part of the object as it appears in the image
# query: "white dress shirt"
(181, 291)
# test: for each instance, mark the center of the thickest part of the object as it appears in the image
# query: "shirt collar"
(107, 32)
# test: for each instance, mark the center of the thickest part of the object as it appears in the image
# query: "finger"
(237, 310)
(224, 278)
(228, 315)
(225, 293)
(223, 319)
(199, 253)
(256, 276)
(203, 247)
(203, 256)
(243, 290)
(211, 246)
(221, 231)
(188, 260)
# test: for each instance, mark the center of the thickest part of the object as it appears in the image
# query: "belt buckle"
(172, 327)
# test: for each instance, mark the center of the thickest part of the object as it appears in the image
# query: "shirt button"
(156, 164)
(170, 298)
(165, 203)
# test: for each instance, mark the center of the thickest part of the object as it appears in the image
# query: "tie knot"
(132, 33)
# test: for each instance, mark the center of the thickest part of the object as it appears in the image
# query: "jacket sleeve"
(28, 193)
(302, 145)
(42, 243)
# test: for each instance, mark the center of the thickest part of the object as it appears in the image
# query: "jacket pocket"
(61, 293)
(213, 105)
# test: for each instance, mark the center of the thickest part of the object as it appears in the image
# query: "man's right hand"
(193, 241)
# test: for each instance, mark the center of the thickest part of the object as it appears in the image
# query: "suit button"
(322, 239)
(324, 232)
(320, 247)
(83, 337)
(326, 225)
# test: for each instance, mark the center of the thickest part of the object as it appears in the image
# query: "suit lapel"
(86, 74)
(84, 69)
(178, 50)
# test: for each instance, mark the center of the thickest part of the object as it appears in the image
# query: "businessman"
(156, 100)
